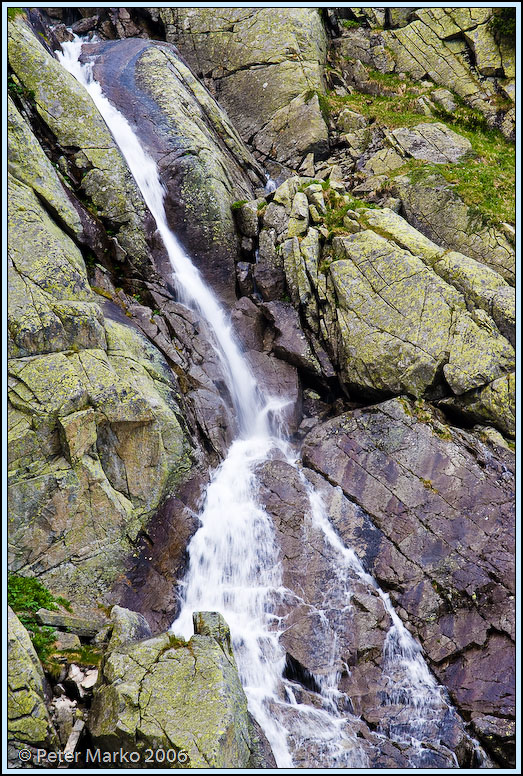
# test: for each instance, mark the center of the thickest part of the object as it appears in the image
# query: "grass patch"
(391, 110)
(485, 179)
(12, 13)
(238, 204)
(86, 655)
(350, 24)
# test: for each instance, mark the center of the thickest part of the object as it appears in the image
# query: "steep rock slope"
(202, 161)
(266, 67)
(118, 400)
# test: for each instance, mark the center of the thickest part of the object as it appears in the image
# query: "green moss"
(350, 24)
(86, 655)
(502, 24)
(428, 484)
(238, 204)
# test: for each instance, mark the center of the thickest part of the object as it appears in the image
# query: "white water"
(234, 567)
(408, 681)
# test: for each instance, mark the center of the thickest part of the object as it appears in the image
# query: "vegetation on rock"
(25, 595)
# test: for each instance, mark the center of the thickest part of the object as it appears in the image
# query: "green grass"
(12, 13)
(350, 24)
(85, 655)
(484, 179)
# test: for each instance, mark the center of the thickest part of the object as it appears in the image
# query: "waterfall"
(233, 557)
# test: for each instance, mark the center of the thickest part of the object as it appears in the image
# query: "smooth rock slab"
(434, 143)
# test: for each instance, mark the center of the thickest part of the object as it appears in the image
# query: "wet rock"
(201, 158)
(336, 621)
(498, 737)
(289, 342)
(415, 477)
(76, 123)
(249, 324)
(160, 559)
(244, 276)
(279, 380)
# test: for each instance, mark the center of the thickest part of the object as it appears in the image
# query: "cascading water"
(234, 566)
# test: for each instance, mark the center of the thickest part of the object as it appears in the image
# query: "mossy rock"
(166, 693)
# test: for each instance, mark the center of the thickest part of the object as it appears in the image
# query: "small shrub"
(25, 595)
(42, 636)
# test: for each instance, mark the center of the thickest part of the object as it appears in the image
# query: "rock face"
(455, 47)
(202, 161)
(67, 113)
(174, 695)
(335, 620)
(392, 310)
(443, 504)
(95, 439)
(266, 67)
(437, 211)
(29, 724)
(388, 325)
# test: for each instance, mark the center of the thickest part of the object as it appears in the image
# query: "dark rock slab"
(444, 501)
(203, 163)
